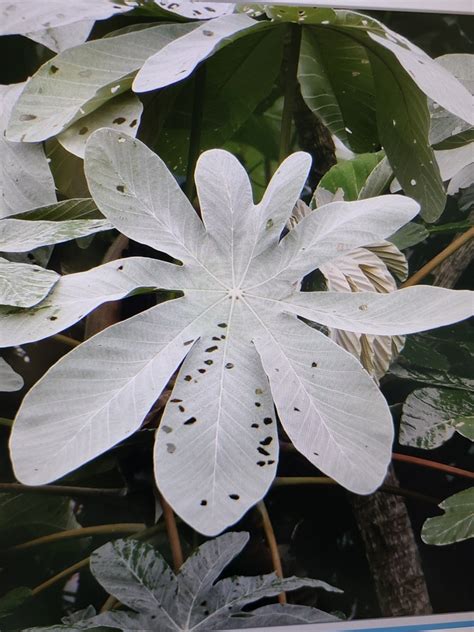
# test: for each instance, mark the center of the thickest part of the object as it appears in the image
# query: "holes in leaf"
(119, 120)
(314, 364)
(170, 448)
(257, 404)
(188, 342)
(223, 325)
(188, 378)
(53, 318)
(201, 370)
(216, 338)
(270, 462)
(134, 122)
(269, 224)
(258, 391)
(190, 421)
(175, 401)
(267, 421)
(263, 451)
(83, 131)
(229, 365)
(223, 337)
(203, 503)
(167, 429)
(266, 441)
(363, 308)
(53, 69)
(209, 362)
(181, 408)
(260, 463)
(255, 426)
(208, 33)
(297, 410)
(316, 453)
(28, 117)
(120, 268)
(234, 496)
(120, 188)
(211, 349)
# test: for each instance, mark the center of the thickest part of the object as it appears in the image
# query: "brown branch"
(63, 490)
(67, 340)
(434, 465)
(82, 532)
(439, 258)
(272, 545)
(173, 535)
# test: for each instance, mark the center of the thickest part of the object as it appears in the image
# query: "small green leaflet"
(456, 524)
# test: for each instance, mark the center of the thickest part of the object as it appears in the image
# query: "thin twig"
(70, 570)
(173, 535)
(272, 545)
(434, 465)
(290, 82)
(284, 481)
(67, 572)
(82, 532)
(440, 257)
(63, 490)
(67, 340)
(7, 423)
(406, 458)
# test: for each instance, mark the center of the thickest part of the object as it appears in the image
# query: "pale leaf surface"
(24, 285)
(10, 380)
(216, 447)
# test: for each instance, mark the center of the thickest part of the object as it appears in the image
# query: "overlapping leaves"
(234, 335)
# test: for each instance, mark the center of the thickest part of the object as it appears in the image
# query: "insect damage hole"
(83, 131)
(229, 365)
(203, 503)
(120, 188)
(190, 421)
(119, 120)
(266, 441)
(211, 349)
(170, 448)
(314, 364)
(267, 421)
(234, 496)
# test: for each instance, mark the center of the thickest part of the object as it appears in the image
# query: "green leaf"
(403, 122)
(441, 358)
(351, 176)
(237, 79)
(81, 79)
(409, 235)
(335, 74)
(23, 285)
(456, 525)
(431, 416)
(13, 599)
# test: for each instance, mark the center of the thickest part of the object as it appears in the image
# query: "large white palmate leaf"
(10, 380)
(25, 177)
(232, 334)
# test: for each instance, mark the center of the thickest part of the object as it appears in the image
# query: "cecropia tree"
(236, 336)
